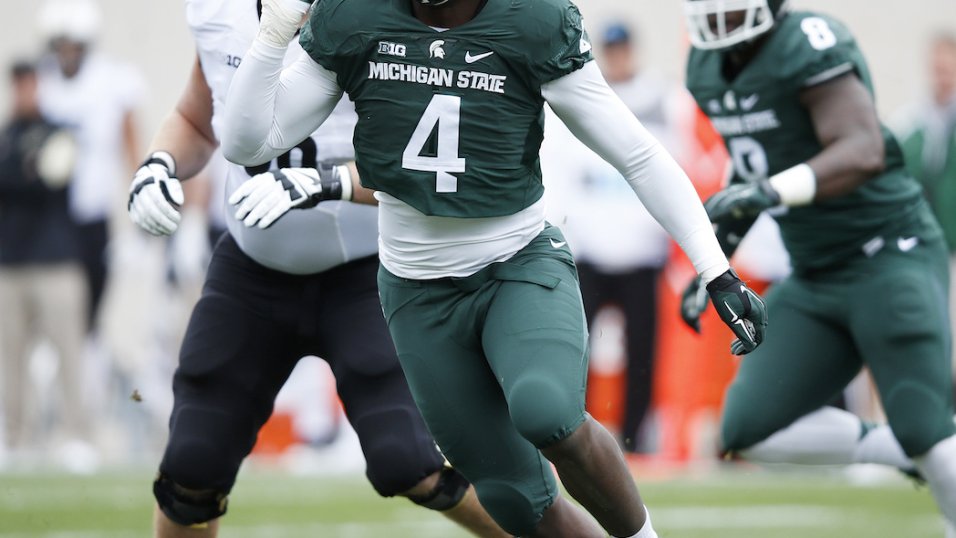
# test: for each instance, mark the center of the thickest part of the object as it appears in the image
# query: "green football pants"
(497, 364)
(888, 312)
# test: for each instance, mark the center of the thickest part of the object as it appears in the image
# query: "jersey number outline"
(749, 158)
(818, 32)
(310, 158)
(445, 112)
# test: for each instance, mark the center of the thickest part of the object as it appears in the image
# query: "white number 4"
(445, 110)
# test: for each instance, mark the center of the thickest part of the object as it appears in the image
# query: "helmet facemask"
(759, 17)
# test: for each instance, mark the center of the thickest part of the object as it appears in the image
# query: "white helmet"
(76, 20)
(759, 18)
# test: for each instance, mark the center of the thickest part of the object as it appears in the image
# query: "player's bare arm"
(845, 120)
(187, 132)
(847, 127)
(180, 149)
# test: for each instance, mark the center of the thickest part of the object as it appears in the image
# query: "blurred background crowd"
(92, 309)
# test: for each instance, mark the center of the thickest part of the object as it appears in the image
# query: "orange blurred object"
(607, 369)
(277, 435)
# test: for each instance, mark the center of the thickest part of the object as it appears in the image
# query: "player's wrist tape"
(339, 187)
(712, 273)
(335, 183)
(796, 186)
(280, 20)
(162, 158)
(345, 179)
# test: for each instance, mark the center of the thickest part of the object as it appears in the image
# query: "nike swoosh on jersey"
(748, 103)
(558, 244)
(907, 244)
(469, 59)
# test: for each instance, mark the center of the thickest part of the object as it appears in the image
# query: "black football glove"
(741, 309)
(693, 303)
(742, 200)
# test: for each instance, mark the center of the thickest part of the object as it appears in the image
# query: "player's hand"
(741, 309)
(693, 303)
(281, 19)
(155, 195)
(742, 200)
(265, 197)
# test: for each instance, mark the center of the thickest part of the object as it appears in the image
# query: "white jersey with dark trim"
(303, 241)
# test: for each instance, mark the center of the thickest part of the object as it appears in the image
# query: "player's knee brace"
(513, 510)
(447, 493)
(544, 412)
(186, 506)
(395, 460)
(199, 466)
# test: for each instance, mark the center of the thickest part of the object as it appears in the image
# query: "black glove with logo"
(741, 309)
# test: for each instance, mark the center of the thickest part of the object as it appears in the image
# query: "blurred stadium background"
(306, 478)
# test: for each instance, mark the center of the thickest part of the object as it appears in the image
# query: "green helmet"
(707, 21)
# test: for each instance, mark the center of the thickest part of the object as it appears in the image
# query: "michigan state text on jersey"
(452, 119)
(768, 130)
(480, 294)
(791, 94)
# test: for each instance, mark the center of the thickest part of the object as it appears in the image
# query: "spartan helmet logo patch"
(436, 50)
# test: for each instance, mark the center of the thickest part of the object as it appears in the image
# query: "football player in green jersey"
(791, 94)
(479, 292)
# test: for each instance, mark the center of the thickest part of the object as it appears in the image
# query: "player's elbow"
(235, 151)
(871, 156)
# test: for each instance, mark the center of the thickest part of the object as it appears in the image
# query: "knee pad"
(918, 416)
(399, 453)
(202, 461)
(513, 510)
(740, 429)
(448, 492)
(544, 412)
(186, 506)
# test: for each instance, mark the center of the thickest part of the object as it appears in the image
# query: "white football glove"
(155, 195)
(265, 197)
(280, 20)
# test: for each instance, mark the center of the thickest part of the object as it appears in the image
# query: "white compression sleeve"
(597, 117)
(269, 109)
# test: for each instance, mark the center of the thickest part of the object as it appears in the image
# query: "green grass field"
(273, 505)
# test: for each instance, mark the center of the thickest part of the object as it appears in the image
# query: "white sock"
(830, 436)
(880, 446)
(938, 467)
(647, 531)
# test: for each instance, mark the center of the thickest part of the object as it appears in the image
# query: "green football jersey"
(767, 130)
(450, 122)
